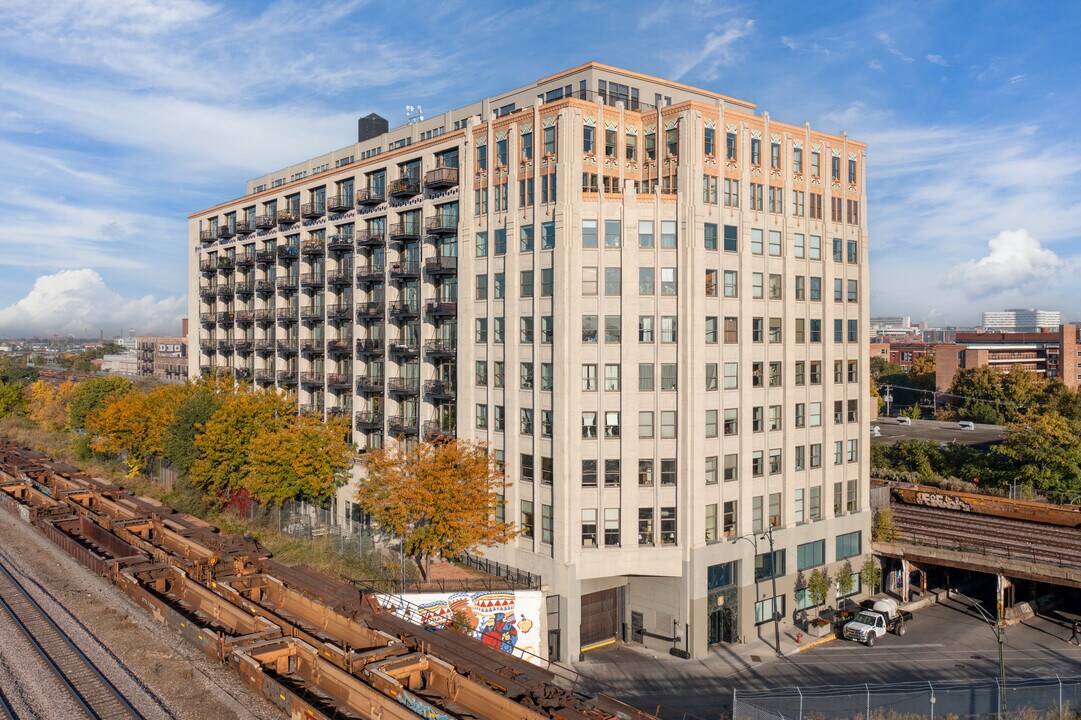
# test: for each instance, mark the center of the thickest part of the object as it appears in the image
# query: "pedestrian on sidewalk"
(1075, 639)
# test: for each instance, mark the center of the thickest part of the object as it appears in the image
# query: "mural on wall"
(509, 620)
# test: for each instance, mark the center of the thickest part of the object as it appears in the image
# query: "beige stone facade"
(650, 300)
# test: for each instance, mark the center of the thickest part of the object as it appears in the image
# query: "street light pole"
(753, 539)
(1000, 635)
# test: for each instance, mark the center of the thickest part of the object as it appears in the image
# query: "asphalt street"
(945, 643)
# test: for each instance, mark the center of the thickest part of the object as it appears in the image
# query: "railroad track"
(6, 713)
(89, 688)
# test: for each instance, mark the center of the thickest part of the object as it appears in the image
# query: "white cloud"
(937, 60)
(891, 46)
(1015, 261)
(717, 50)
(874, 65)
(78, 302)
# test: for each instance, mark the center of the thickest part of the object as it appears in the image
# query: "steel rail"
(89, 688)
(6, 712)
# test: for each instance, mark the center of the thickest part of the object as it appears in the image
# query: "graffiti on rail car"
(420, 707)
(947, 502)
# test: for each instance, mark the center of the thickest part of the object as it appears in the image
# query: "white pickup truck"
(875, 621)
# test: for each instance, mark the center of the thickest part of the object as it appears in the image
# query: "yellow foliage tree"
(47, 406)
(441, 497)
(134, 424)
(305, 459)
(225, 442)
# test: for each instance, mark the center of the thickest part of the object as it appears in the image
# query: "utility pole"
(753, 539)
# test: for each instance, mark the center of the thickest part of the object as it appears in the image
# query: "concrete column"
(905, 570)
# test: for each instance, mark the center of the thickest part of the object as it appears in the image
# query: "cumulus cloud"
(78, 302)
(1015, 260)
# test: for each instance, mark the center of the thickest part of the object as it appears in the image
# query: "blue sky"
(118, 118)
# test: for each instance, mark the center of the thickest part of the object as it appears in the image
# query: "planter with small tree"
(818, 587)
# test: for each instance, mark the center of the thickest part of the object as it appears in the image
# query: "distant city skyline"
(121, 119)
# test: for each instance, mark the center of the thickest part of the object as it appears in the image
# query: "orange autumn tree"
(134, 424)
(440, 497)
(305, 459)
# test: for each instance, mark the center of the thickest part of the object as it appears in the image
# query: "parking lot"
(891, 430)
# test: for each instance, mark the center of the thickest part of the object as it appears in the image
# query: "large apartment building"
(649, 299)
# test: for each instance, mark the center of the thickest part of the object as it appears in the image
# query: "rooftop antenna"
(414, 114)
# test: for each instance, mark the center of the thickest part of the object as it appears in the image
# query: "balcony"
(312, 248)
(208, 266)
(339, 380)
(245, 317)
(243, 227)
(226, 262)
(313, 346)
(440, 348)
(208, 235)
(404, 309)
(405, 270)
(265, 222)
(340, 203)
(369, 310)
(225, 346)
(440, 389)
(287, 283)
(287, 347)
(311, 379)
(225, 232)
(264, 346)
(404, 231)
(243, 345)
(245, 259)
(340, 278)
(242, 373)
(370, 347)
(264, 376)
(312, 278)
(442, 265)
(264, 287)
(265, 257)
(340, 243)
(401, 347)
(369, 384)
(442, 224)
(244, 287)
(367, 420)
(401, 425)
(369, 197)
(435, 430)
(405, 187)
(371, 238)
(340, 348)
(315, 410)
(403, 386)
(208, 318)
(225, 317)
(441, 308)
(341, 411)
(287, 378)
(208, 344)
(205, 370)
(441, 178)
(288, 252)
(208, 292)
(225, 290)
(310, 211)
(369, 273)
(287, 315)
(288, 216)
(339, 311)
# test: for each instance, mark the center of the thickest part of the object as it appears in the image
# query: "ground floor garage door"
(601, 617)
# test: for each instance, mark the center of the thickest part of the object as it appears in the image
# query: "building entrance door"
(601, 613)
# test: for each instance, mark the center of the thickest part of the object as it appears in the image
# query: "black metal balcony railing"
(288, 216)
(340, 277)
(225, 290)
(404, 347)
(208, 318)
(370, 309)
(404, 231)
(265, 345)
(243, 345)
(371, 238)
(402, 425)
(287, 377)
(341, 411)
(434, 429)
(242, 373)
(265, 257)
(404, 386)
(208, 292)
(340, 242)
(245, 317)
(287, 282)
(315, 409)
(311, 378)
(246, 259)
(226, 262)
(207, 235)
(244, 287)
(340, 203)
(225, 317)
(441, 308)
(442, 265)
(442, 224)
(265, 222)
(408, 269)
(288, 252)
(339, 380)
(208, 266)
(264, 287)
(441, 178)
(404, 309)
(312, 346)
(313, 210)
(287, 346)
(440, 389)
(312, 278)
(264, 376)
(368, 420)
(312, 247)
(404, 187)
(370, 273)
(243, 227)
(287, 314)
(225, 345)
(205, 370)
(338, 348)
(225, 231)
(371, 196)
(440, 346)
(369, 383)
(339, 311)
(370, 346)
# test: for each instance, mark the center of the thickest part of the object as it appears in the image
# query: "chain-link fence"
(1027, 699)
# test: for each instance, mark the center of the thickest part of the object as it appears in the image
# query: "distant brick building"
(1052, 354)
(164, 357)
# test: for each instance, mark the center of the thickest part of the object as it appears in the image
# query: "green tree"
(977, 394)
(306, 459)
(178, 443)
(11, 400)
(882, 529)
(818, 586)
(870, 574)
(38, 360)
(846, 579)
(92, 395)
(13, 371)
(1045, 449)
(912, 411)
(441, 498)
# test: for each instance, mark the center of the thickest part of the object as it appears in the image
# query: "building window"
(710, 236)
(611, 424)
(612, 328)
(589, 473)
(731, 238)
(731, 284)
(668, 328)
(645, 328)
(645, 233)
(589, 425)
(613, 281)
(668, 423)
(810, 555)
(848, 545)
(611, 233)
(589, 527)
(645, 280)
(589, 377)
(645, 473)
(769, 565)
(611, 527)
(668, 526)
(482, 417)
(711, 466)
(546, 524)
(645, 526)
(589, 233)
(766, 610)
(711, 522)
(645, 377)
(589, 328)
(611, 473)
(668, 376)
(668, 472)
